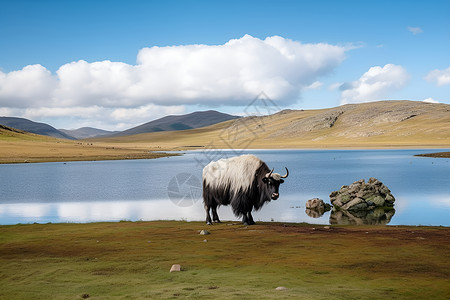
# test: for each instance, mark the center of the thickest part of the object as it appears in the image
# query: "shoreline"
(238, 223)
(133, 153)
(435, 155)
(24, 160)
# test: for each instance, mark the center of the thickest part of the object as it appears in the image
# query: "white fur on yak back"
(236, 172)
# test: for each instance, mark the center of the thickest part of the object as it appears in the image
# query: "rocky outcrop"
(362, 196)
(325, 120)
(315, 208)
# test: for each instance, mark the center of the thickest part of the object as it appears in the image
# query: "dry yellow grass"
(19, 147)
(384, 124)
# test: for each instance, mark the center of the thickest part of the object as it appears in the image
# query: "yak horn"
(287, 173)
(268, 174)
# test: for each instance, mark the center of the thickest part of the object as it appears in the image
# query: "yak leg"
(247, 219)
(214, 213)
(250, 218)
(208, 217)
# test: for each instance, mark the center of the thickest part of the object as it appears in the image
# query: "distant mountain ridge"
(179, 122)
(33, 127)
(87, 132)
(168, 123)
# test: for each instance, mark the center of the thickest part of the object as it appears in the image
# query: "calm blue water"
(170, 188)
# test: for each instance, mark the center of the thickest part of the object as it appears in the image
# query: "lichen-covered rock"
(315, 208)
(314, 203)
(378, 201)
(362, 196)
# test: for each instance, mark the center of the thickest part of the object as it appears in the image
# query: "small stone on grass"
(175, 268)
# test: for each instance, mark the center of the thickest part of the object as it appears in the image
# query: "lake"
(170, 188)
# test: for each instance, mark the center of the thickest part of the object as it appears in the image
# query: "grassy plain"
(131, 260)
(18, 147)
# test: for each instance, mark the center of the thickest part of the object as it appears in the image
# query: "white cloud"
(31, 86)
(430, 100)
(375, 84)
(232, 74)
(415, 30)
(441, 77)
(236, 71)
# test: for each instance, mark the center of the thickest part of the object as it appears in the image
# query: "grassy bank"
(132, 260)
(438, 154)
(34, 148)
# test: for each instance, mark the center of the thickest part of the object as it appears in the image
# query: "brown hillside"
(376, 124)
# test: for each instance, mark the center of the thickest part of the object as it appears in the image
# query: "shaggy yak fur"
(244, 181)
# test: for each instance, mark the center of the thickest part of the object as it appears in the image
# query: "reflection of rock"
(314, 213)
(377, 216)
(315, 208)
(362, 196)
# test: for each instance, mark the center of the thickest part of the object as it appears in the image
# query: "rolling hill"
(13, 134)
(384, 124)
(380, 124)
(17, 146)
(180, 122)
(87, 132)
(33, 127)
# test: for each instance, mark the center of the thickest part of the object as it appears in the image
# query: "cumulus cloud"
(232, 74)
(415, 30)
(375, 84)
(31, 86)
(441, 77)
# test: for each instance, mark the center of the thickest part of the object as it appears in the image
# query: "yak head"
(273, 181)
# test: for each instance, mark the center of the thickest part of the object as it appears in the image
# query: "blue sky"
(76, 63)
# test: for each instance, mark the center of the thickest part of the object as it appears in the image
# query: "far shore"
(438, 154)
(87, 151)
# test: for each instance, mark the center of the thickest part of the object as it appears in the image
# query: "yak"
(245, 182)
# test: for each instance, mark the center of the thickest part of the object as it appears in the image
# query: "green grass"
(131, 260)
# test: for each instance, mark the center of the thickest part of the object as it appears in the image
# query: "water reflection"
(96, 211)
(377, 216)
(129, 190)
